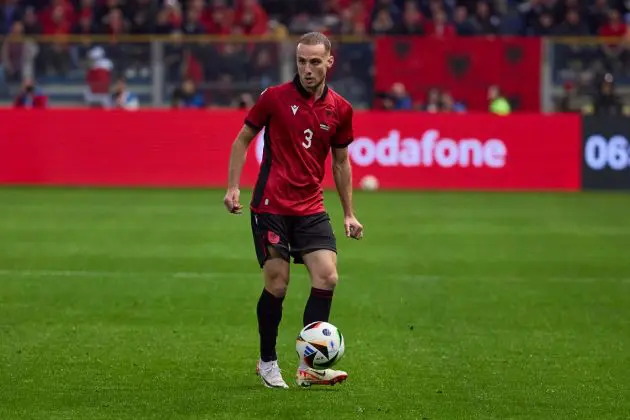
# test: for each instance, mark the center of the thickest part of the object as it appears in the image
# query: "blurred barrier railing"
(230, 71)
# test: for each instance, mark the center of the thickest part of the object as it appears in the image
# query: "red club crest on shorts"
(273, 238)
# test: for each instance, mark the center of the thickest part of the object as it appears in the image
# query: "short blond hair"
(315, 38)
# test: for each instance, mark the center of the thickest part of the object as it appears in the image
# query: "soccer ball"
(369, 183)
(320, 345)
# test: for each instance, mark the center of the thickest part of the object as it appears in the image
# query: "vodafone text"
(430, 149)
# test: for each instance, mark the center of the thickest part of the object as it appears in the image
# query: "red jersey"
(298, 136)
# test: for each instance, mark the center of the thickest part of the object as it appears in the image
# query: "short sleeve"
(259, 114)
(345, 133)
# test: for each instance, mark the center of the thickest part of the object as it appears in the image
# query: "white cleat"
(270, 374)
(307, 376)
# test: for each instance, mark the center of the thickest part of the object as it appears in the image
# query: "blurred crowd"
(256, 17)
(228, 74)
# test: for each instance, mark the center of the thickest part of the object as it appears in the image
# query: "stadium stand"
(586, 43)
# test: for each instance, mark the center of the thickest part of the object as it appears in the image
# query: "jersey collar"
(305, 93)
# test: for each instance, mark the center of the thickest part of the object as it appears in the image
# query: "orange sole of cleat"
(331, 382)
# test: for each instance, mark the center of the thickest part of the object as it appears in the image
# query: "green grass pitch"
(140, 304)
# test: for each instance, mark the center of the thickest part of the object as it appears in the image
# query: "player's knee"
(328, 280)
(277, 283)
(278, 290)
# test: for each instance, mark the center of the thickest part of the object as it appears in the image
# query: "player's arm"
(237, 160)
(342, 173)
(257, 117)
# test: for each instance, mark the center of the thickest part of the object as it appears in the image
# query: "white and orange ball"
(320, 345)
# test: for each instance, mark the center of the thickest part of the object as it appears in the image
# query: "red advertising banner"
(191, 148)
(465, 67)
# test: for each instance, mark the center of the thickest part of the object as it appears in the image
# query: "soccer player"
(303, 120)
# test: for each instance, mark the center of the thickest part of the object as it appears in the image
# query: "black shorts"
(291, 236)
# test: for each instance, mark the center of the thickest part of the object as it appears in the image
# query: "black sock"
(269, 312)
(318, 306)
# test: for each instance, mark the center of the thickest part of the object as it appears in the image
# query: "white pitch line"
(179, 275)
(119, 274)
(254, 273)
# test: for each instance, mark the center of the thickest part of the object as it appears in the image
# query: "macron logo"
(294, 108)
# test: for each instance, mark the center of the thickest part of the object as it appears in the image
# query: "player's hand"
(354, 229)
(232, 201)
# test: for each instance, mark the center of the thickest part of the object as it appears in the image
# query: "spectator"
(13, 53)
(175, 16)
(565, 102)
(412, 20)
(331, 15)
(221, 20)
(9, 14)
(143, 17)
(598, 15)
(606, 101)
(432, 103)
(353, 19)
(383, 23)
(615, 51)
(104, 9)
(98, 79)
(122, 98)
(572, 25)
(440, 27)
(31, 22)
(445, 5)
(498, 104)
(251, 17)
(192, 24)
(614, 27)
(58, 20)
(346, 24)
(245, 101)
(484, 22)
(398, 99)
(360, 16)
(163, 25)
(463, 24)
(84, 26)
(30, 97)
(544, 26)
(386, 5)
(531, 10)
(86, 10)
(114, 23)
(187, 96)
(448, 104)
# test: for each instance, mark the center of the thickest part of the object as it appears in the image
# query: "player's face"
(313, 63)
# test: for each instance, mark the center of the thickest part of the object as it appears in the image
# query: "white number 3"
(308, 135)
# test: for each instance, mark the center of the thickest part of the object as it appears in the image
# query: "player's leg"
(273, 257)
(322, 267)
(269, 308)
(313, 243)
(316, 244)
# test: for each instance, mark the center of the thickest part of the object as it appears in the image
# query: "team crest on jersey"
(273, 238)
